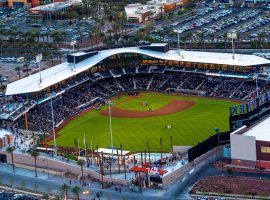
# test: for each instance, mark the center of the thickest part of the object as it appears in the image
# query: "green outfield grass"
(189, 127)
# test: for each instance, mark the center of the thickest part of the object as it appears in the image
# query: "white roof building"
(55, 6)
(64, 71)
(260, 131)
(250, 145)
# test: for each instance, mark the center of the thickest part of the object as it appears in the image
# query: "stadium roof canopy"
(260, 131)
(64, 71)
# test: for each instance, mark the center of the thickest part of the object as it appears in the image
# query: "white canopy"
(63, 71)
(4, 132)
(260, 131)
(109, 151)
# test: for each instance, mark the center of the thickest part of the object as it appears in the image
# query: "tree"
(161, 11)
(201, 35)
(261, 37)
(1, 79)
(45, 196)
(81, 164)
(18, 69)
(26, 68)
(213, 38)
(11, 150)
(34, 153)
(229, 171)
(76, 191)
(64, 188)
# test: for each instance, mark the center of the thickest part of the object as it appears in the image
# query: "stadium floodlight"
(110, 118)
(53, 128)
(232, 35)
(178, 39)
(38, 60)
(74, 64)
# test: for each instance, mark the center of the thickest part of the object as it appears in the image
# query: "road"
(23, 178)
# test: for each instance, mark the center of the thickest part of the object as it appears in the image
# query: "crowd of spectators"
(103, 85)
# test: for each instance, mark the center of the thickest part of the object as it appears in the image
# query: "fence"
(208, 144)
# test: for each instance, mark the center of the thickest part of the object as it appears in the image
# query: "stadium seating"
(87, 90)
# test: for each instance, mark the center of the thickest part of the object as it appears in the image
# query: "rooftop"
(64, 71)
(109, 151)
(55, 6)
(261, 131)
(4, 132)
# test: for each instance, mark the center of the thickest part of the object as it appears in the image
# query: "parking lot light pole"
(178, 39)
(232, 35)
(73, 51)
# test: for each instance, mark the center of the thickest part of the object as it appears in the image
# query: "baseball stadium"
(140, 116)
(134, 96)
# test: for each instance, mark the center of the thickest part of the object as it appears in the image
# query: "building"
(6, 138)
(23, 3)
(18, 3)
(52, 10)
(3, 3)
(250, 147)
(140, 13)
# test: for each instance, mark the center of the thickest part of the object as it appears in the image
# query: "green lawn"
(189, 127)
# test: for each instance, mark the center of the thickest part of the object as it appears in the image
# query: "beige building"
(140, 13)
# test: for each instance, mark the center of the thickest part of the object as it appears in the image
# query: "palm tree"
(225, 37)
(64, 188)
(213, 37)
(261, 37)
(76, 191)
(18, 69)
(34, 153)
(10, 150)
(161, 11)
(45, 196)
(201, 36)
(81, 164)
(1, 79)
(26, 68)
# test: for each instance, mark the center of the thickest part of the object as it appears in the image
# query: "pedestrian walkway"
(24, 177)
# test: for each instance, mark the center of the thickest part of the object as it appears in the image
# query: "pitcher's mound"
(173, 107)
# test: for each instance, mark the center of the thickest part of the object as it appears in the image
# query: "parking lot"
(212, 24)
(4, 195)
(13, 20)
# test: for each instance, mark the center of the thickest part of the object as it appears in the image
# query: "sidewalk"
(26, 179)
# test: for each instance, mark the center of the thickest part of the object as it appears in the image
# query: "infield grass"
(188, 127)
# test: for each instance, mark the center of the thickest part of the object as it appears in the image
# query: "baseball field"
(149, 116)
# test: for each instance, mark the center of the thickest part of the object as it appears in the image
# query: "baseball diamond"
(193, 119)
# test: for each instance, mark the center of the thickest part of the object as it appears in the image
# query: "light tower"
(38, 60)
(178, 39)
(74, 64)
(233, 36)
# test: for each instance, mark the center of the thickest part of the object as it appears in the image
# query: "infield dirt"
(173, 107)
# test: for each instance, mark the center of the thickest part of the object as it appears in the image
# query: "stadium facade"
(250, 146)
(92, 77)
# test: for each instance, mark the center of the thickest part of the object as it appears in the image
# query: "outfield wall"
(195, 164)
